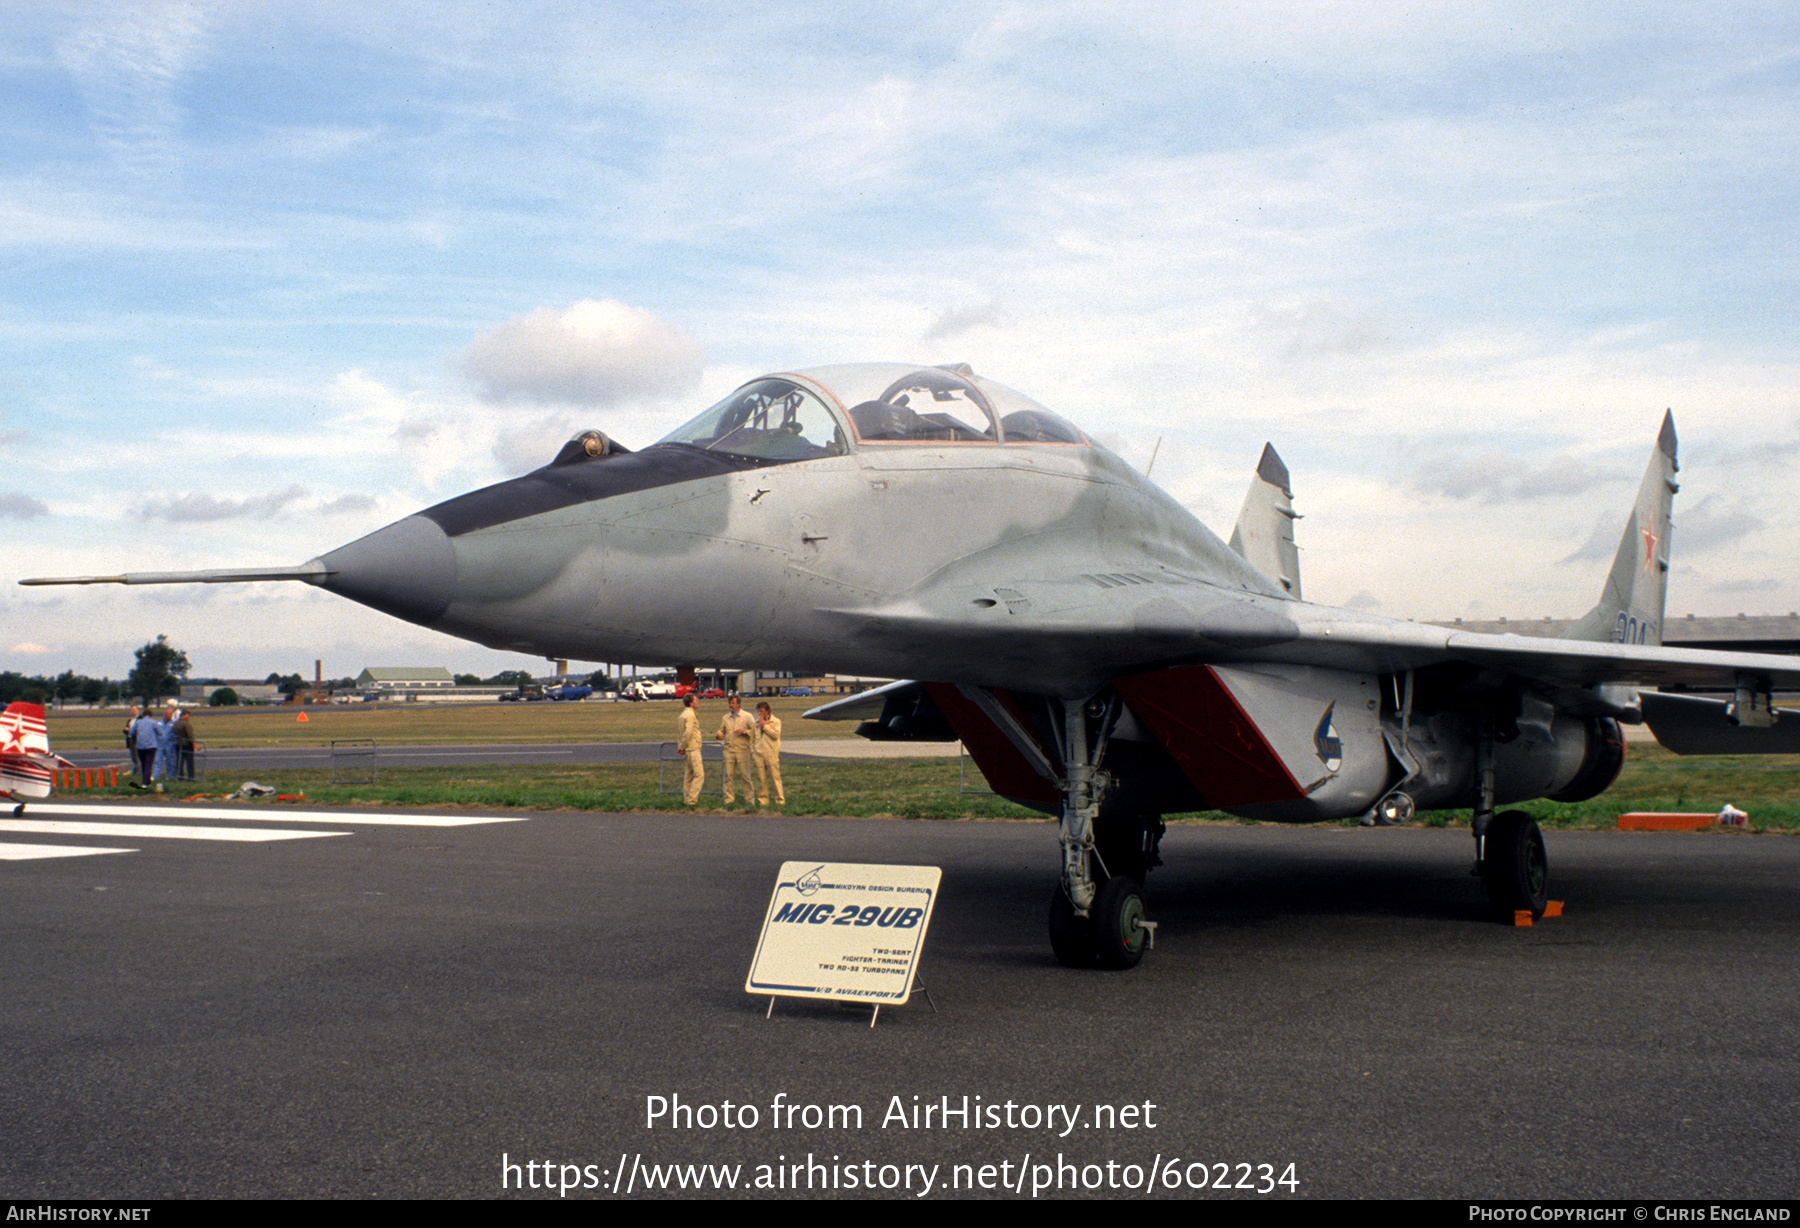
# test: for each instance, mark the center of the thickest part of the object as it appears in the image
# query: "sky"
(273, 275)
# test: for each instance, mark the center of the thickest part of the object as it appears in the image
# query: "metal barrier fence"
(710, 753)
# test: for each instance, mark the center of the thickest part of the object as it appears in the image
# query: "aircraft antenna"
(1153, 452)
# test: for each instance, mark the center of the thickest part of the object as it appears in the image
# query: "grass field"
(436, 724)
(1653, 779)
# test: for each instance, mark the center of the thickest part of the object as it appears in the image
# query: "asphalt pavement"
(382, 1003)
(233, 760)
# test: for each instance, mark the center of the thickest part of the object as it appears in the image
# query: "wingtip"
(1665, 438)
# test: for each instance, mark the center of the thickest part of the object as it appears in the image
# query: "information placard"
(845, 931)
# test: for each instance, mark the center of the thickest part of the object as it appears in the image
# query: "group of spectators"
(163, 748)
(748, 740)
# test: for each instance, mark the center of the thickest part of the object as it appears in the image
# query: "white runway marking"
(35, 852)
(246, 815)
(154, 831)
(127, 821)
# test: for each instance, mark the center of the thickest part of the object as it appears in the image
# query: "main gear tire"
(1514, 866)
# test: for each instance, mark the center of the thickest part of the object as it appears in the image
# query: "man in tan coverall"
(738, 732)
(768, 755)
(687, 742)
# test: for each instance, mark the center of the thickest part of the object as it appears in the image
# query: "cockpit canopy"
(815, 413)
(771, 419)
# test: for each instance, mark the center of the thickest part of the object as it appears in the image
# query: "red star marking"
(15, 737)
(1649, 547)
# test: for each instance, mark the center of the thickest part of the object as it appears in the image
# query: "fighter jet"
(1103, 655)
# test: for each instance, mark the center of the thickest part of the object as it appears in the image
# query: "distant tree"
(224, 697)
(510, 677)
(468, 680)
(18, 686)
(287, 684)
(93, 690)
(160, 668)
(600, 680)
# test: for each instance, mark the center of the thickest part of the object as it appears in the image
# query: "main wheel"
(1071, 937)
(1514, 867)
(1118, 908)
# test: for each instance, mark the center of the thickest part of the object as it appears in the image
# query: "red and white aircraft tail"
(25, 758)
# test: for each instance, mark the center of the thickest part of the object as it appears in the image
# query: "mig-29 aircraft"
(1102, 655)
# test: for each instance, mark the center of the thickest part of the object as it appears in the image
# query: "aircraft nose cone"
(407, 569)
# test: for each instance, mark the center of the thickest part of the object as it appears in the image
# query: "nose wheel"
(1119, 924)
(1114, 935)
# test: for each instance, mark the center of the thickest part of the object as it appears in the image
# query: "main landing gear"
(1097, 915)
(1509, 849)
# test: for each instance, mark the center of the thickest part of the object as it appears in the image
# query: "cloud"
(961, 319)
(1496, 477)
(1316, 329)
(346, 504)
(1708, 524)
(1601, 545)
(128, 66)
(199, 507)
(593, 353)
(20, 507)
(530, 445)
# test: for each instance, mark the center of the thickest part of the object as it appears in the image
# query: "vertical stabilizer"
(1264, 535)
(1631, 607)
(25, 758)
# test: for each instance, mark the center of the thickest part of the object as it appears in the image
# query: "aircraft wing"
(863, 706)
(1072, 637)
(1554, 662)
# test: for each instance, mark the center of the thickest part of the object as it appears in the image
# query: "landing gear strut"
(1097, 910)
(1509, 849)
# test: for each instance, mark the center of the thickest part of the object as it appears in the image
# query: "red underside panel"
(1008, 772)
(1210, 736)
